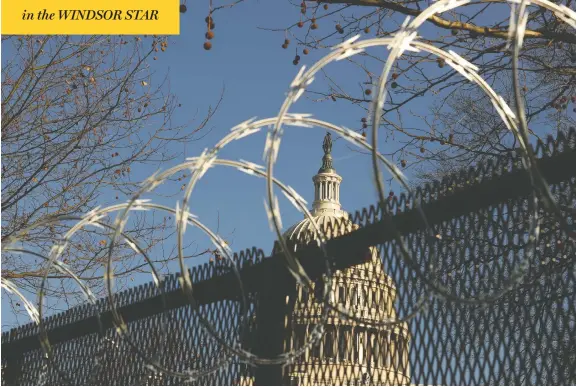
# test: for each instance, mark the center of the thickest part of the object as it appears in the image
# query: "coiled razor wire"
(405, 39)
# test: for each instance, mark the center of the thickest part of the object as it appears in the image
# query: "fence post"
(13, 369)
(273, 315)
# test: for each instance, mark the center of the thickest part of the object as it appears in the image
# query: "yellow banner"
(98, 17)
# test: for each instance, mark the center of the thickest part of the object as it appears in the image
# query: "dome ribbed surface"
(332, 226)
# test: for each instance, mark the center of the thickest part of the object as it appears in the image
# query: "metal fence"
(466, 298)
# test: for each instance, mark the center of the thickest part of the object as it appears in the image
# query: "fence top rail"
(460, 193)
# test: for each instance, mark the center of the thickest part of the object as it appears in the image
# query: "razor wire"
(405, 39)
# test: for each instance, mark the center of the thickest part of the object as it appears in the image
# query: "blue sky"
(255, 72)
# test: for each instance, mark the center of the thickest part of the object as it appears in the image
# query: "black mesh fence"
(464, 297)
